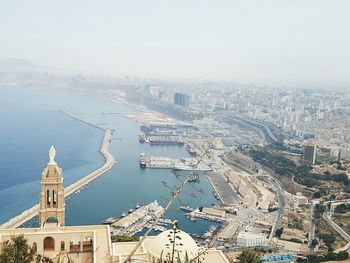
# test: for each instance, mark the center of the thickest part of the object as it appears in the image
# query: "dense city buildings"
(190, 131)
(258, 152)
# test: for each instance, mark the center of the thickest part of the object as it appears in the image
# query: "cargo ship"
(190, 148)
(142, 160)
(165, 141)
(142, 138)
(187, 208)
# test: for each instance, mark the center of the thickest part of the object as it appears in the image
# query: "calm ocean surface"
(31, 121)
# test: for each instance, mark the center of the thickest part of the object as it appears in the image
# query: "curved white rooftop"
(162, 244)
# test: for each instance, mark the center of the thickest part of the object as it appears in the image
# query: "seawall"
(109, 162)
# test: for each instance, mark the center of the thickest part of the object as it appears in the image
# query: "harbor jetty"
(137, 219)
(82, 120)
(205, 213)
(109, 162)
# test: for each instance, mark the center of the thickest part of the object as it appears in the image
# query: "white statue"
(52, 155)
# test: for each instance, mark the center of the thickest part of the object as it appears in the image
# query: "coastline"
(145, 115)
(144, 111)
(109, 163)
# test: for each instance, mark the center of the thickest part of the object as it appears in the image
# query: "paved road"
(327, 215)
(259, 125)
(313, 226)
(225, 191)
(281, 202)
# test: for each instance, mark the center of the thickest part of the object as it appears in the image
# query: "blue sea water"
(30, 124)
(32, 120)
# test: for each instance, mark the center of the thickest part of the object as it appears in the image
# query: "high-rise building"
(181, 99)
(335, 152)
(309, 154)
(345, 154)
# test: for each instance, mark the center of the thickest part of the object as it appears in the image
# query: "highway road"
(261, 125)
(327, 215)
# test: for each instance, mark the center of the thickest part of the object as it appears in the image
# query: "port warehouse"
(165, 134)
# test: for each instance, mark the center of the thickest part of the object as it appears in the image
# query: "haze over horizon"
(273, 42)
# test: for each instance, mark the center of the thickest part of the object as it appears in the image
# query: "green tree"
(328, 239)
(279, 232)
(17, 250)
(343, 255)
(314, 243)
(249, 256)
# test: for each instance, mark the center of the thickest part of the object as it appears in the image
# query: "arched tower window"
(49, 243)
(63, 246)
(52, 219)
(48, 197)
(54, 198)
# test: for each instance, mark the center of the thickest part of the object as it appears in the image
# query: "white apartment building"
(247, 239)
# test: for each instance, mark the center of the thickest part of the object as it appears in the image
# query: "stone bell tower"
(52, 206)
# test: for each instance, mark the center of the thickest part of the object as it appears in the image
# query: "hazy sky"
(278, 42)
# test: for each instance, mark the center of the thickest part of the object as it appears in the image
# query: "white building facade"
(246, 239)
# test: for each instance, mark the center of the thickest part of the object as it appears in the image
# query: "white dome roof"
(164, 243)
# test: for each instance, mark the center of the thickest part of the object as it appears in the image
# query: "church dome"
(163, 244)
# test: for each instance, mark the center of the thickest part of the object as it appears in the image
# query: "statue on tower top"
(52, 192)
(52, 155)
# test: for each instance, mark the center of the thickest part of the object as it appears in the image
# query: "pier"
(81, 120)
(137, 219)
(223, 189)
(183, 164)
(109, 162)
(213, 218)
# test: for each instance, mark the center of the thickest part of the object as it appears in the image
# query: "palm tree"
(249, 256)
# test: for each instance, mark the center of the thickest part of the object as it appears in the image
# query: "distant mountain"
(20, 65)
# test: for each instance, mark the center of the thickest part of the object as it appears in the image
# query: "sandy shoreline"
(146, 115)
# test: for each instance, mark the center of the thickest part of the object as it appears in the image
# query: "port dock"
(137, 219)
(109, 162)
(183, 164)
